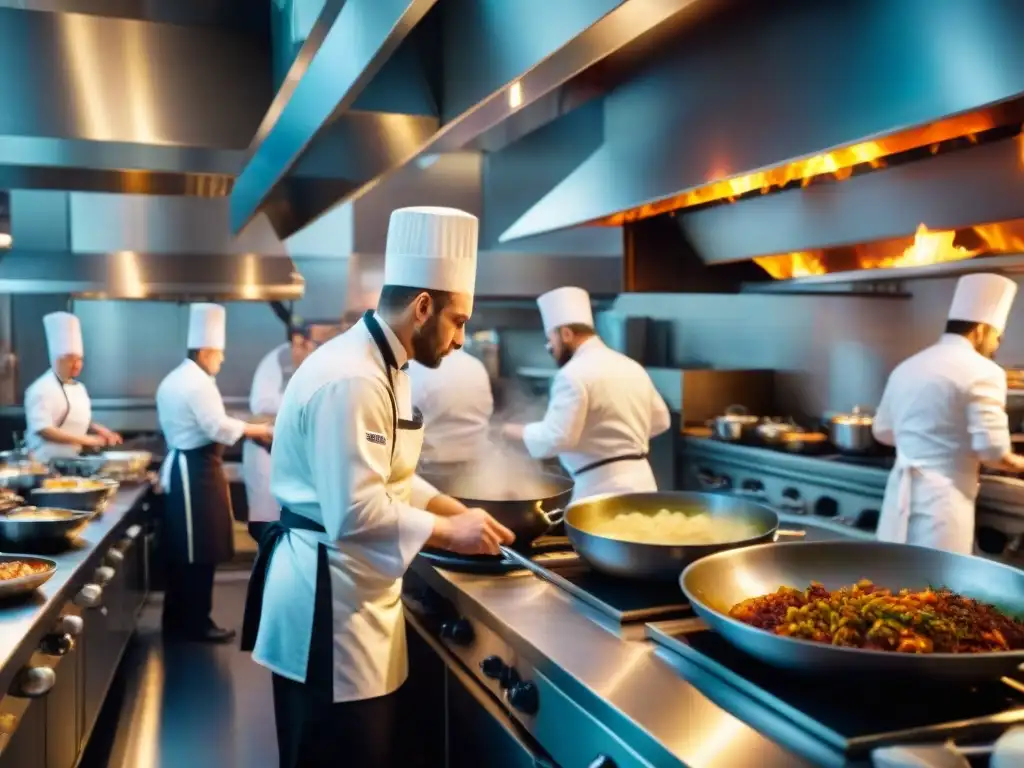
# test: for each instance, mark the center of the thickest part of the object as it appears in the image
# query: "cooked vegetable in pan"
(675, 528)
(874, 618)
(16, 569)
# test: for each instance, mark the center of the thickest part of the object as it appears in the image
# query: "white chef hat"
(565, 306)
(63, 335)
(983, 298)
(207, 325)
(432, 248)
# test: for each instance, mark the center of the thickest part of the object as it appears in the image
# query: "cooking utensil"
(25, 584)
(734, 425)
(716, 583)
(14, 528)
(851, 432)
(537, 511)
(660, 562)
(804, 442)
(1006, 752)
(23, 477)
(772, 432)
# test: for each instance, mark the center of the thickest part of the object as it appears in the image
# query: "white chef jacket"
(333, 463)
(49, 403)
(602, 405)
(456, 401)
(945, 411)
(264, 398)
(191, 413)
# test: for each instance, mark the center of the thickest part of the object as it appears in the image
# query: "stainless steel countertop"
(23, 624)
(664, 707)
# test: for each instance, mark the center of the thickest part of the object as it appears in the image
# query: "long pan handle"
(785, 533)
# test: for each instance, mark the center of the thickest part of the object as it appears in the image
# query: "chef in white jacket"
(603, 408)
(58, 411)
(324, 610)
(945, 411)
(456, 402)
(198, 529)
(272, 375)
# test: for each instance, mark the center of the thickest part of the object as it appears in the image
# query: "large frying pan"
(716, 583)
(660, 562)
(535, 510)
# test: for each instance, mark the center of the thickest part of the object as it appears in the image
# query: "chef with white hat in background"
(603, 408)
(198, 530)
(58, 412)
(324, 610)
(944, 409)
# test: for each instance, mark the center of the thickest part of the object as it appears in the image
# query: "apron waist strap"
(611, 460)
(272, 534)
(260, 444)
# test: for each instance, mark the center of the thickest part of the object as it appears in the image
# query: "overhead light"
(515, 95)
(5, 240)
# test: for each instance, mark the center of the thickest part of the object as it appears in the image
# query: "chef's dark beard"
(426, 349)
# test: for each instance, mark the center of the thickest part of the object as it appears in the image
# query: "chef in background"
(603, 408)
(944, 409)
(58, 412)
(324, 610)
(271, 377)
(456, 402)
(198, 529)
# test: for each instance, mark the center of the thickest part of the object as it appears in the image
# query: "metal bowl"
(77, 499)
(18, 478)
(16, 528)
(26, 584)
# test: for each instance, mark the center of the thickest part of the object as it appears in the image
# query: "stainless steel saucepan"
(661, 562)
(716, 583)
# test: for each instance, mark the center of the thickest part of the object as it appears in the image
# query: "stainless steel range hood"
(163, 103)
(760, 128)
(380, 83)
(142, 247)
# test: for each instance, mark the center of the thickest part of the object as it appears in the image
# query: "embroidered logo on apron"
(376, 438)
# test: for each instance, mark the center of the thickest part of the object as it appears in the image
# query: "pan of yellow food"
(40, 523)
(864, 608)
(23, 574)
(654, 536)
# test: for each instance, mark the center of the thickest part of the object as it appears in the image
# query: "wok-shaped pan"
(660, 562)
(716, 583)
(535, 510)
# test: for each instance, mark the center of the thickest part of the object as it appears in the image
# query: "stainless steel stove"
(849, 717)
(841, 492)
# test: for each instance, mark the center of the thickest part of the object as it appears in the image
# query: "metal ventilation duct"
(142, 247)
(380, 83)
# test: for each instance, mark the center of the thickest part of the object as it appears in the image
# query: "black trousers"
(353, 734)
(188, 597)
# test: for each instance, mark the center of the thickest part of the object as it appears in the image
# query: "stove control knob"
(56, 644)
(602, 761)
(70, 625)
(459, 631)
(524, 698)
(508, 678)
(493, 667)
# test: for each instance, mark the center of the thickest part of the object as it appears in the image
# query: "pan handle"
(554, 517)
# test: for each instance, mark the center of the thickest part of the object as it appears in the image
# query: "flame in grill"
(929, 247)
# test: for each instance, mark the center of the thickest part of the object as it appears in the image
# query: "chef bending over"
(603, 409)
(945, 411)
(324, 611)
(58, 411)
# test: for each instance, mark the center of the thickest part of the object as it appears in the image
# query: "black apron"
(197, 519)
(320, 666)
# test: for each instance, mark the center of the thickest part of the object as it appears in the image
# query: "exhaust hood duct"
(99, 104)
(141, 247)
(324, 141)
(773, 83)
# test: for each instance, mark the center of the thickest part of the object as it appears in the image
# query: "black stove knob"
(56, 644)
(602, 761)
(459, 631)
(493, 667)
(508, 678)
(524, 698)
